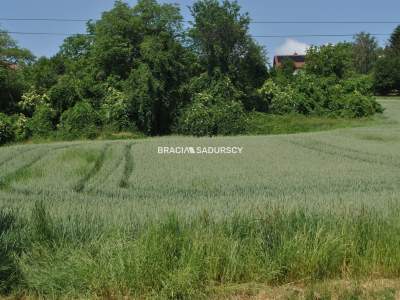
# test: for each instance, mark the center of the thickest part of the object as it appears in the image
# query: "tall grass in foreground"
(184, 258)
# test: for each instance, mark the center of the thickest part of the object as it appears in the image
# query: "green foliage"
(42, 122)
(76, 47)
(120, 32)
(138, 67)
(330, 60)
(32, 99)
(155, 86)
(21, 127)
(220, 36)
(328, 85)
(210, 115)
(10, 53)
(177, 258)
(387, 70)
(387, 73)
(313, 95)
(215, 110)
(266, 123)
(11, 87)
(287, 68)
(114, 110)
(279, 100)
(65, 94)
(365, 52)
(363, 84)
(144, 97)
(12, 60)
(44, 73)
(108, 219)
(80, 121)
(141, 46)
(6, 129)
(10, 275)
(394, 41)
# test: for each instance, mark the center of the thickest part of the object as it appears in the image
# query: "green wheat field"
(115, 218)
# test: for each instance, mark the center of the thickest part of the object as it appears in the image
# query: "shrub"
(279, 100)
(363, 84)
(21, 127)
(65, 94)
(328, 60)
(387, 74)
(31, 100)
(42, 122)
(357, 105)
(216, 110)
(208, 115)
(6, 129)
(80, 120)
(309, 94)
(114, 110)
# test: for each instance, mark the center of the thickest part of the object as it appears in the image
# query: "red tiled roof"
(299, 60)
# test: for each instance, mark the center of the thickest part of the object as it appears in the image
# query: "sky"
(259, 10)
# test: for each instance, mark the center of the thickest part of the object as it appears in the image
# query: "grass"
(112, 219)
(263, 124)
(333, 289)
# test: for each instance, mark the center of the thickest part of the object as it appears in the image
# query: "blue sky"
(276, 10)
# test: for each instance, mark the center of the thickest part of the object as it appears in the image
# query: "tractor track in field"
(8, 179)
(128, 168)
(105, 178)
(13, 156)
(98, 164)
(338, 151)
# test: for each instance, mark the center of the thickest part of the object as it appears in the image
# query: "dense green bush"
(357, 105)
(278, 100)
(215, 110)
(328, 60)
(387, 73)
(21, 127)
(30, 100)
(81, 120)
(209, 115)
(114, 111)
(6, 129)
(64, 94)
(310, 94)
(363, 84)
(387, 70)
(42, 122)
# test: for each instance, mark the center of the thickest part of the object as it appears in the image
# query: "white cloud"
(291, 46)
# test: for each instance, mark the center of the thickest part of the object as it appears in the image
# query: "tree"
(77, 46)
(12, 60)
(10, 53)
(285, 72)
(220, 37)
(328, 60)
(6, 130)
(387, 71)
(216, 110)
(394, 41)
(44, 73)
(365, 52)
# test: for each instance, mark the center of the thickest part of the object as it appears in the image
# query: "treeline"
(139, 68)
